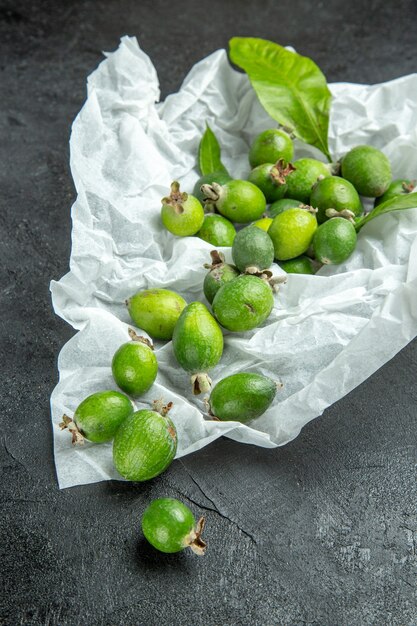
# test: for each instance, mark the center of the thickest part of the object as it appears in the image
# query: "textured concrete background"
(321, 532)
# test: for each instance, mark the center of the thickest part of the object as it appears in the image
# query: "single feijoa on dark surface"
(368, 169)
(242, 397)
(145, 443)
(134, 365)
(98, 417)
(243, 303)
(252, 250)
(170, 526)
(156, 311)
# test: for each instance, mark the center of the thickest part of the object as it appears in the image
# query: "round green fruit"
(217, 230)
(238, 200)
(134, 366)
(220, 273)
(181, 213)
(368, 169)
(336, 193)
(252, 250)
(170, 526)
(305, 175)
(334, 241)
(269, 178)
(292, 233)
(156, 311)
(398, 187)
(242, 397)
(198, 344)
(300, 265)
(270, 146)
(283, 205)
(98, 417)
(145, 444)
(243, 303)
(209, 179)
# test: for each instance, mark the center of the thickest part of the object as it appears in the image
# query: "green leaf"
(209, 154)
(290, 87)
(406, 201)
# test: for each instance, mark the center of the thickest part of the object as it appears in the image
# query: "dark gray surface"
(319, 532)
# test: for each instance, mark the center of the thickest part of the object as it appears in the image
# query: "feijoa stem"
(176, 198)
(280, 171)
(217, 258)
(135, 337)
(195, 541)
(77, 437)
(160, 407)
(345, 213)
(309, 208)
(201, 383)
(212, 192)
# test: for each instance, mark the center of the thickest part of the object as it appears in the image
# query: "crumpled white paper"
(326, 334)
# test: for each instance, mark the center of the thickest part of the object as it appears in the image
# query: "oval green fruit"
(243, 303)
(301, 180)
(144, 445)
(134, 366)
(267, 178)
(242, 397)
(252, 250)
(198, 344)
(156, 311)
(239, 200)
(292, 233)
(170, 526)
(181, 213)
(398, 187)
(270, 146)
(218, 275)
(368, 169)
(283, 205)
(98, 417)
(208, 179)
(217, 230)
(336, 193)
(300, 265)
(334, 241)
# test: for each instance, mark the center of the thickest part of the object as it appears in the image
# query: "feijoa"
(336, 193)
(156, 311)
(209, 179)
(242, 397)
(218, 274)
(181, 213)
(368, 169)
(270, 146)
(270, 178)
(134, 365)
(217, 230)
(264, 223)
(300, 265)
(198, 344)
(334, 241)
(283, 205)
(398, 187)
(292, 233)
(252, 250)
(170, 526)
(239, 200)
(145, 444)
(306, 173)
(243, 303)
(98, 417)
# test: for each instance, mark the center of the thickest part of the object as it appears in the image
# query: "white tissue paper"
(327, 332)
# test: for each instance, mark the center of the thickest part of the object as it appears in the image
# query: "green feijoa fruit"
(243, 303)
(368, 169)
(398, 187)
(156, 311)
(134, 365)
(198, 344)
(270, 179)
(252, 250)
(305, 175)
(300, 265)
(283, 205)
(209, 179)
(334, 241)
(270, 146)
(182, 214)
(218, 274)
(170, 526)
(264, 223)
(145, 444)
(239, 200)
(336, 193)
(292, 233)
(242, 397)
(217, 230)
(98, 417)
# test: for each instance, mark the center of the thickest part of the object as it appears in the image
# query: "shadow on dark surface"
(150, 560)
